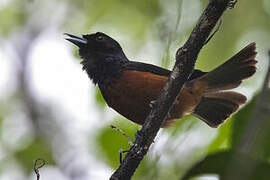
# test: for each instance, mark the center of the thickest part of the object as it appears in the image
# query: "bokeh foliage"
(38, 148)
(136, 24)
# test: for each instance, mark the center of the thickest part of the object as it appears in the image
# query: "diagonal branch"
(185, 60)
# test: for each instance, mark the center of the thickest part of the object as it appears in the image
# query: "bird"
(129, 87)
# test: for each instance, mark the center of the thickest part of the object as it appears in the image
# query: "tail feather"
(230, 74)
(215, 108)
(217, 105)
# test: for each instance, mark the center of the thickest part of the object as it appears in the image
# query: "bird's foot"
(121, 154)
(231, 4)
(152, 104)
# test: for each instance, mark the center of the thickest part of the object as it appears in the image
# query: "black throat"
(104, 72)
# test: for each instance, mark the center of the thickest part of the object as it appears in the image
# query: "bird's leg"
(121, 154)
(169, 114)
(152, 104)
(138, 135)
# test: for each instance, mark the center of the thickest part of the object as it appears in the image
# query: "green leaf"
(220, 162)
(241, 121)
(222, 140)
(263, 141)
(12, 16)
(182, 125)
(99, 99)
(110, 141)
(134, 18)
(37, 149)
(1, 123)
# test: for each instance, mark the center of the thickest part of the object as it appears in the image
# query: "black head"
(97, 46)
(101, 54)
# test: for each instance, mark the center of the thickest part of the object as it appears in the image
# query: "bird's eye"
(100, 38)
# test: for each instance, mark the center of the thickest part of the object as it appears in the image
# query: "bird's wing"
(144, 67)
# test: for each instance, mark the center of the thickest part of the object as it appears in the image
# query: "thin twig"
(121, 154)
(123, 133)
(172, 35)
(37, 167)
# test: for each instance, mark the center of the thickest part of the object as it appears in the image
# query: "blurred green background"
(49, 109)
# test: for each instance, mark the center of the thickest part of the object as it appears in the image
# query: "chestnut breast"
(132, 93)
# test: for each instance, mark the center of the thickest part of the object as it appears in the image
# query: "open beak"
(78, 41)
